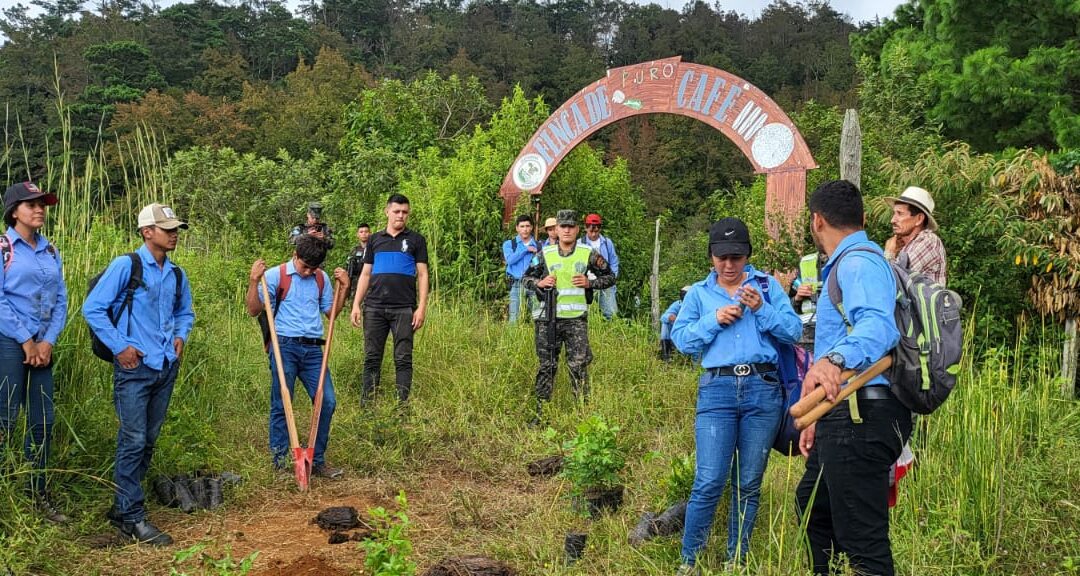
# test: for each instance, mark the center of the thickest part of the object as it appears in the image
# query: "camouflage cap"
(566, 218)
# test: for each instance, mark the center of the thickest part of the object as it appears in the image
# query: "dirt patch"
(470, 566)
(306, 565)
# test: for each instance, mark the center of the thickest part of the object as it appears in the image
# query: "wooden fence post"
(654, 279)
(851, 149)
(1069, 358)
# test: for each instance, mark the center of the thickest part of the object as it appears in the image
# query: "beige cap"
(161, 216)
(920, 199)
(551, 222)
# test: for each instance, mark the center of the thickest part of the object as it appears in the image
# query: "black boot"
(665, 350)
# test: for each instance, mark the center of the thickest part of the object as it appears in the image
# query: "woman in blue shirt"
(33, 310)
(733, 319)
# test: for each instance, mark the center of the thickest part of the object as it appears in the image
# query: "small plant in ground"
(224, 566)
(593, 458)
(679, 481)
(388, 549)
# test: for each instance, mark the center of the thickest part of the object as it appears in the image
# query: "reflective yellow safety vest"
(571, 301)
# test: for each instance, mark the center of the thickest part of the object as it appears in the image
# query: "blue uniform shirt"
(33, 296)
(869, 298)
(672, 310)
(517, 261)
(606, 248)
(157, 316)
(298, 316)
(744, 341)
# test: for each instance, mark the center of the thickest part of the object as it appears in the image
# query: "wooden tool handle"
(814, 398)
(286, 398)
(316, 403)
(821, 409)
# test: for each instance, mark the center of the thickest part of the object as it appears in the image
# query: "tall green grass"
(995, 491)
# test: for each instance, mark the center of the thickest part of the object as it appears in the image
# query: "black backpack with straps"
(135, 281)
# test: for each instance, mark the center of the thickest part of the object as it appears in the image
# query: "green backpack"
(927, 359)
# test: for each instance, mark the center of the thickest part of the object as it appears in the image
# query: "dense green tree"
(991, 81)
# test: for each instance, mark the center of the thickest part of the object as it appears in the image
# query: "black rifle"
(551, 296)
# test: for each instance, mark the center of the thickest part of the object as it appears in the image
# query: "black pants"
(378, 323)
(849, 469)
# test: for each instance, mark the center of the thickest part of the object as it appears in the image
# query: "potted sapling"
(593, 465)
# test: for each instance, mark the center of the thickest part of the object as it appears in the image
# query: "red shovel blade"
(302, 461)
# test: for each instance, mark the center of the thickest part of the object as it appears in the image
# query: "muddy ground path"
(448, 509)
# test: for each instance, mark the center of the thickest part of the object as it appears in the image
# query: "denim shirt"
(298, 316)
(869, 298)
(606, 249)
(33, 295)
(156, 318)
(517, 261)
(744, 341)
(672, 310)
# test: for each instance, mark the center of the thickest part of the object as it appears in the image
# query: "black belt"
(742, 369)
(874, 393)
(301, 340)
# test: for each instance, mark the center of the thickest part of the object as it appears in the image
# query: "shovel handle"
(823, 408)
(286, 398)
(316, 402)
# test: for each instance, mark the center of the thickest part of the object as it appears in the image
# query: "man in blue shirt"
(299, 329)
(147, 342)
(518, 252)
(843, 496)
(603, 246)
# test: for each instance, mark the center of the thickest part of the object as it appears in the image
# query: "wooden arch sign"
(745, 114)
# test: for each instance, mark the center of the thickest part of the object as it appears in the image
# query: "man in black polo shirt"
(395, 269)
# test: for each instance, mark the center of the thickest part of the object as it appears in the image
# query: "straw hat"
(920, 199)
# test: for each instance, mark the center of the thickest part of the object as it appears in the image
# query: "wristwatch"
(836, 358)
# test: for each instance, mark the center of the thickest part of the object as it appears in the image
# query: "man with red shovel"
(297, 291)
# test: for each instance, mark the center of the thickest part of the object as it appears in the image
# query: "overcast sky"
(859, 10)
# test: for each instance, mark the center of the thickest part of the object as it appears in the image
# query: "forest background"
(240, 114)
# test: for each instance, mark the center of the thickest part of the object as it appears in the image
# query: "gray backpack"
(927, 359)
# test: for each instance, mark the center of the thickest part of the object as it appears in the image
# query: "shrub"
(593, 459)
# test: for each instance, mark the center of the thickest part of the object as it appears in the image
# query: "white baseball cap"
(161, 216)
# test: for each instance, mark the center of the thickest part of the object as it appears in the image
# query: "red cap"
(592, 219)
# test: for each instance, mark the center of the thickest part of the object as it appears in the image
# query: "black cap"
(729, 237)
(24, 191)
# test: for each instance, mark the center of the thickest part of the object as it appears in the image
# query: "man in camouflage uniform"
(565, 268)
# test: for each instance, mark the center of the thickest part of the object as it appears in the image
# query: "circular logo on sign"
(529, 171)
(772, 145)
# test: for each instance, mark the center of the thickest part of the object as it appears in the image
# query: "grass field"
(995, 491)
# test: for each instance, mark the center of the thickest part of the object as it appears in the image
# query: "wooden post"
(851, 149)
(654, 279)
(1069, 359)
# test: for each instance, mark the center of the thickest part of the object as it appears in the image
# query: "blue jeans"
(608, 307)
(519, 297)
(303, 361)
(22, 385)
(737, 419)
(141, 398)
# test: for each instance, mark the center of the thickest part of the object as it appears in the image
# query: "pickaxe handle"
(823, 408)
